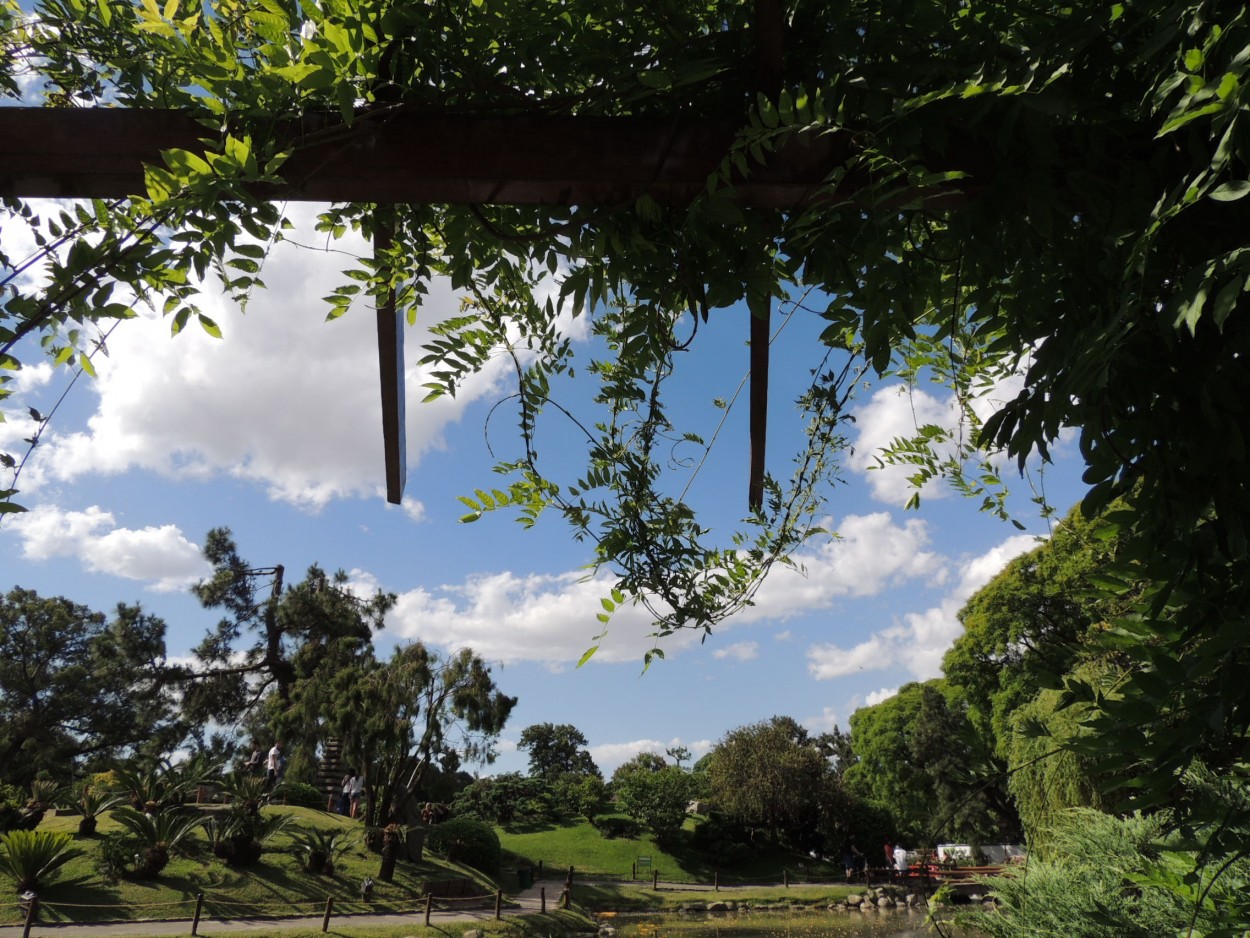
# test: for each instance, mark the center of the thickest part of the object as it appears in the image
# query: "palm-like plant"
(317, 850)
(33, 857)
(43, 795)
(157, 834)
(239, 837)
(163, 784)
(91, 802)
(246, 793)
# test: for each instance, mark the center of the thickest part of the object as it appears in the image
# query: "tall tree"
(261, 662)
(556, 750)
(419, 709)
(654, 793)
(767, 775)
(77, 685)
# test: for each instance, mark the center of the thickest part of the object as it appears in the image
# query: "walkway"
(527, 901)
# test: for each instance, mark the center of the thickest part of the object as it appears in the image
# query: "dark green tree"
(417, 710)
(653, 793)
(76, 685)
(556, 750)
(768, 775)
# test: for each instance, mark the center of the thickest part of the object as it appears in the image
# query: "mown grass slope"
(275, 886)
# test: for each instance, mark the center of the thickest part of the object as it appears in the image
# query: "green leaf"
(1230, 191)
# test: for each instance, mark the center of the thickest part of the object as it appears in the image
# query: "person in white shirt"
(900, 859)
(273, 766)
(358, 793)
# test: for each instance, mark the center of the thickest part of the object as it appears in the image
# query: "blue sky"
(274, 431)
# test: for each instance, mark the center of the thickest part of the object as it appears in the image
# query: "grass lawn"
(561, 844)
(275, 886)
(597, 897)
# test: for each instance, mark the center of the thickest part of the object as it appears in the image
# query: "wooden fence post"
(655, 878)
(31, 911)
(325, 922)
(785, 878)
(540, 869)
(199, 905)
(542, 899)
(498, 904)
(429, 904)
(633, 871)
(716, 881)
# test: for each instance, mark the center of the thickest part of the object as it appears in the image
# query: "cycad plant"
(239, 836)
(316, 850)
(33, 857)
(43, 795)
(91, 802)
(156, 835)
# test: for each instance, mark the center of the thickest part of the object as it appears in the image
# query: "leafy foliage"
(75, 684)
(464, 840)
(317, 850)
(156, 835)
(556, 750)
(654, 794)
(32, 858)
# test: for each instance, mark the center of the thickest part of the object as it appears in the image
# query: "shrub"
(12, 801)
(303, 795)
(33, 857)
(464, 840)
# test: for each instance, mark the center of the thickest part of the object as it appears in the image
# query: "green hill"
(275, 886)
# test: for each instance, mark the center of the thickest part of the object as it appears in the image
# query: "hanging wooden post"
(325, 921)
(769, 63)
(199, 906)
(391, 368)
(429, 905)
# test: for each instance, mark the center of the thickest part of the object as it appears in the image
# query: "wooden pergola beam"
(410, 157)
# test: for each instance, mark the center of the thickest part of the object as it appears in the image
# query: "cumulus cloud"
(870, 554)
(284, 400)
(509, 617)
(611, 756)
(739, 651)
(900, 411)
(920, 640)
(877, 696)
(161, 556)
(550, 618)
(826, 722)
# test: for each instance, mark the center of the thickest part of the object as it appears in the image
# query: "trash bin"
(525, 877)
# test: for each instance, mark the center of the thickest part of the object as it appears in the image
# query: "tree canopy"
(76, 684)
(1050, 191)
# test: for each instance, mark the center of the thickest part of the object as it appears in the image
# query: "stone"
(885, 902)
(854, 899)
(718, 906)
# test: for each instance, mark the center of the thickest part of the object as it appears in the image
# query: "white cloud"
(899, 411)
(877, 696)
(922, 638)
(871, 554)
(783, 636)
(611, 756)
(159, 556)
(507, 617)
(415, 510)
(285, 399)
(740, 651)
(827, 722)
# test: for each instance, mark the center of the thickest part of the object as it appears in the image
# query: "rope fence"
(426, 906)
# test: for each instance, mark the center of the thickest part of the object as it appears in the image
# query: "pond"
(815, 924)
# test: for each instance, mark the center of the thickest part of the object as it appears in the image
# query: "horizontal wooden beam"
(407, 157)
